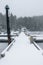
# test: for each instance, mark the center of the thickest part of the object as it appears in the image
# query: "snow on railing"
(32, 41)
(8, 47)
(37, 46)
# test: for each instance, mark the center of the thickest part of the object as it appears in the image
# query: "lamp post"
(8, 26)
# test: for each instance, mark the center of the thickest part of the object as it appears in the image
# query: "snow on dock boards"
(22, 53)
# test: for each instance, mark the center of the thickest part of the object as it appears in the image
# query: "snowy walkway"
(22, 53)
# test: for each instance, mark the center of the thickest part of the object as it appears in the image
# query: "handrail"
(36, 46)
(33, 42)
(8, 47)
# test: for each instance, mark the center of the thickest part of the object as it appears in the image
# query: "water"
(3, 46)
(41, 45)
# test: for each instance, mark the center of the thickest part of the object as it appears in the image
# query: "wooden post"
(8, 26)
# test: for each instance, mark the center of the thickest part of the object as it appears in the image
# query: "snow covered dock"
(22, 52)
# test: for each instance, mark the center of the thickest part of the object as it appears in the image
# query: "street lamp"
(8, 26)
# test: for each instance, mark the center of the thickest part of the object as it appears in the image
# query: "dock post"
(8, 26)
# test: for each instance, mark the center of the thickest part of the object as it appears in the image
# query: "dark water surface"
(3, 46)
(41, 45)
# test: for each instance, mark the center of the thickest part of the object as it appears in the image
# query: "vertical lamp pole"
(8, 26)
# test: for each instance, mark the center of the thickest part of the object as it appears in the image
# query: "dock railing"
(35, 44)
(7, 48)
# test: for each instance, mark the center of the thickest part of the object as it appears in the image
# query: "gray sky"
(23, 7)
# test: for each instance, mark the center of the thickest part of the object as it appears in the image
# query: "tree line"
(31, 23)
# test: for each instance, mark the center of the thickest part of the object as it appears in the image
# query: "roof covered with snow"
(22, 53)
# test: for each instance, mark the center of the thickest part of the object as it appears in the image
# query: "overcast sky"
(23, 7)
